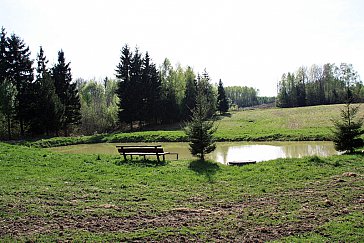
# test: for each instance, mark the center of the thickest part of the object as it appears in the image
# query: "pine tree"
(67, 93)
(3, 56)
(223, 104)
(124, 90)
(200, 130)
(48, 109)
(189, 101)
(152, 86)
(204, 86)
(20, 73)
(348, 130)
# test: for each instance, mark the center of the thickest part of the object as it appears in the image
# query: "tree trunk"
(65, 131)
(9, 127)
(21, 128)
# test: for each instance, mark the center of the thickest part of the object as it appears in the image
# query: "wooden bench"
(143, 150)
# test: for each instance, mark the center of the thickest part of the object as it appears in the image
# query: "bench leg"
(124, 156)
(158, 158)
(164, 158)
(144, 157)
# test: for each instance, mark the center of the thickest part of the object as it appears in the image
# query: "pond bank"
(165, 136)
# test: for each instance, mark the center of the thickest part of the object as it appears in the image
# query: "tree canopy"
(319, 85)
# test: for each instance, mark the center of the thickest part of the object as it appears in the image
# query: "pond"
(225, 151)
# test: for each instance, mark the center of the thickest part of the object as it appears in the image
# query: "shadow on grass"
(141, 163)
(206, 168)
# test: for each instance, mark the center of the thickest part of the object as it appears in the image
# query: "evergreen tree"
(48, 107)
(348, 130)
(125, 88)
(189, 101)
(204, 86)
(223, 104)
(152, 86)
(139, 88)
(200, 130)
(67, 93)
(3, 56)
(136, 88)
(20, 73)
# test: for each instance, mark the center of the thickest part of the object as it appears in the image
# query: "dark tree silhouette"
(67, 93)
(189, 101)
(222, 102)
(20, 73)
(48, 107)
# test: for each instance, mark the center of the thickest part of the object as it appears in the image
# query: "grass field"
(293, 124)
(50, 197)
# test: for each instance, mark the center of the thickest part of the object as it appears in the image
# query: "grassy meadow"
(47, 196)
(61, 197)
(290, 124)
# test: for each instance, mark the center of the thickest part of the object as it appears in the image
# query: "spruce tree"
(137, 90)
(20, 73)
(200, 130)
(223, 104)
(48, 109)
(124, 90)
(152, 85)
(3, 56)
(67, 93)
(189, 101)
(204, 86)
(347, 130)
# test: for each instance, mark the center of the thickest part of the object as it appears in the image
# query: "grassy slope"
(306, 123)
(47, 197)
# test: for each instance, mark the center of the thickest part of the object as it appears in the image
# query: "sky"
(244, 43)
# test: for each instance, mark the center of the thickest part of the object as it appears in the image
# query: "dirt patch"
(250, 220)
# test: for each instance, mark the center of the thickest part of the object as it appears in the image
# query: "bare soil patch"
(253, 219)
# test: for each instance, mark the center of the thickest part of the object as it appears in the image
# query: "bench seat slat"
(156, 150)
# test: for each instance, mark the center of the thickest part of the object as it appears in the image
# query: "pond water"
(225, 151)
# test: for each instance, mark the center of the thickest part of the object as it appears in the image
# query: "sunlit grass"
(290, 124)
(47, 196)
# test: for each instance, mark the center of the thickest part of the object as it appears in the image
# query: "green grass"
(47, 196)
(304, 123)
(293, 124)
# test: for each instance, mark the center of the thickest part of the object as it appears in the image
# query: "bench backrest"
(140, 149)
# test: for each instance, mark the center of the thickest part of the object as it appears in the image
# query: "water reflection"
(225, 152)
(267, 151)
(248, 152)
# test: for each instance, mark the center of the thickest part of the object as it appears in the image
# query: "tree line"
(45, 104)
(320, 85)
(243, 96)
(37, 99)
(151, 96)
